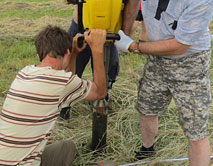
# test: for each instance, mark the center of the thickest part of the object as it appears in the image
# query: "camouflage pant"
(186, 80)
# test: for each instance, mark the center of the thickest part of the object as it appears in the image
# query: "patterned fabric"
(186, 80)
(30, 110)
(185, 20)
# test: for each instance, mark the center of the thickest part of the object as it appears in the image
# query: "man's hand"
(124, 43)
(75, 48)
(95, 38)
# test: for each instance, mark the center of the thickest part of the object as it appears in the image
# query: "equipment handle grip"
(109, 36)
(72, 1)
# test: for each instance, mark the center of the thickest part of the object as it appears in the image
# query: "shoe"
(110, 83)
(65, 113)
(144, 153)
(107, 97)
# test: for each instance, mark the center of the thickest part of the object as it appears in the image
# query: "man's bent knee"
(60, 153)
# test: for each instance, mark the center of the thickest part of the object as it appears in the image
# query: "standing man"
(37, 95)
(178, 60)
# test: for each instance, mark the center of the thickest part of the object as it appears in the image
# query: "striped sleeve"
(75, 90)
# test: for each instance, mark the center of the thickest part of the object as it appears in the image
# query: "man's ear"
(67, 53)
(38, 57)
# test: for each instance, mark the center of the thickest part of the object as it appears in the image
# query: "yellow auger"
(103, 14)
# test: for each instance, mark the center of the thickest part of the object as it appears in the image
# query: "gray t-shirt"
(185, 20)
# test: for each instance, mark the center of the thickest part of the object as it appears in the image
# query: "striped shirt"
(30, 110)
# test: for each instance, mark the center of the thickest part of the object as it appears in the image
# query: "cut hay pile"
(30, 17)
(123, 136)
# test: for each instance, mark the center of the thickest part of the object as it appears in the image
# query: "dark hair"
(53, 41)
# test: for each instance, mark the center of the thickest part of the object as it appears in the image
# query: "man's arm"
(96, 39)
(160, 48)
(75, 14)
(130, 13)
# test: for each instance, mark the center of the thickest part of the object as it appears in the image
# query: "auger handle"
(109, 36)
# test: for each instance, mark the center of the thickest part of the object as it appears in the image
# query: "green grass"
(35, 14)
(14, 55)
(21, 1)
(28, 10)
(23, 19)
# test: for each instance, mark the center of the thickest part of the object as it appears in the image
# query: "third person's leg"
(199, 152)
(148, 128)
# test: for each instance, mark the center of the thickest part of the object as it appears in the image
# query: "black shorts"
(139, 16)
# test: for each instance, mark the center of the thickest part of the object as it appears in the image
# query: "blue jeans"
(84, 57)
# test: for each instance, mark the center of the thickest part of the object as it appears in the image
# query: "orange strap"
(101, 164)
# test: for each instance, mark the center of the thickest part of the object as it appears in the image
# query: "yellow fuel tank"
(103, 14)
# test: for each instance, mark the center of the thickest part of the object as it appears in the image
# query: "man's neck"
(51, 62)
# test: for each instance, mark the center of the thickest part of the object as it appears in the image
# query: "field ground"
(20, 20)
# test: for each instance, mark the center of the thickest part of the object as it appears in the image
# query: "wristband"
(134, 47)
